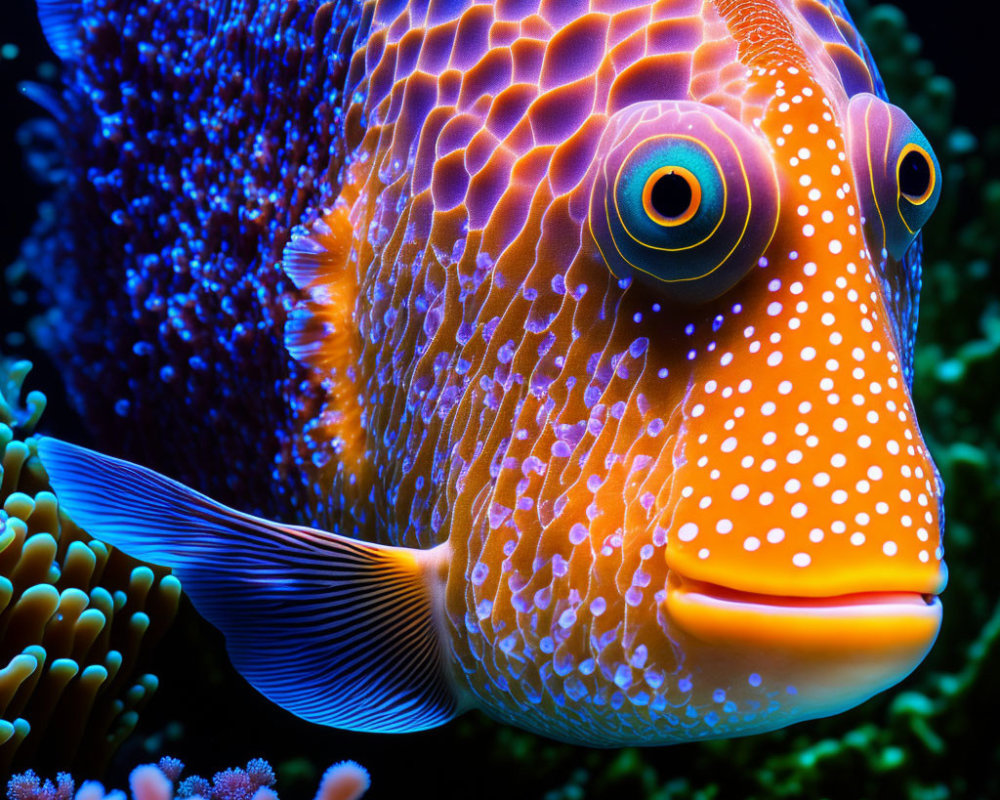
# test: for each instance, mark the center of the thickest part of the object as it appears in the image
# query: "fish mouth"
(885, 622)
(830, 652)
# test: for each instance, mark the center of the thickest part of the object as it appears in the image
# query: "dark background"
(957, 39)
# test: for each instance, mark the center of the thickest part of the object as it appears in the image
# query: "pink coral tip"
(149, 783)
(90, 790)
(347, 780)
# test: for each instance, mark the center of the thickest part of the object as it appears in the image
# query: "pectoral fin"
(338, 631)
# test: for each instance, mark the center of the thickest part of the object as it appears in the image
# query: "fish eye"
(671, 202)
(671, 196)
(916, 174)
(896, 172)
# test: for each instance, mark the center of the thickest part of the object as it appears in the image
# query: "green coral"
(76, 619)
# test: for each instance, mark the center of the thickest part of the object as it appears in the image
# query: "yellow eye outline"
(931, 184)
(647, 196)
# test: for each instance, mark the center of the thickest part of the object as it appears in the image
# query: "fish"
(614, 314)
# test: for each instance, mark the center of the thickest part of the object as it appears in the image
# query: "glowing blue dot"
(684, 684)
(719, 695)
(479, 573)
(574, 688)
(623, 676)
(754, 679)
(638, 347)
(577, 534)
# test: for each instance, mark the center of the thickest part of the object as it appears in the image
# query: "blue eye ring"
(649, 201)
(700, 237)
(642, 161)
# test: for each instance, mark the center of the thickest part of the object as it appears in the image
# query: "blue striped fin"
(60, 20)
(337, 631)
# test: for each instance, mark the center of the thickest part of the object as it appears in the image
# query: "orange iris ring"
(647, 196)
(931, 185)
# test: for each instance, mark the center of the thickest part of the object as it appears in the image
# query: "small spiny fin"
(320, 331)
(320, 254)
(60, 20)
(337, 631)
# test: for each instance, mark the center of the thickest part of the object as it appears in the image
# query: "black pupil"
(914, 174)
(671, 195)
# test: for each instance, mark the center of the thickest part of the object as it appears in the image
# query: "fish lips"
(833, 652)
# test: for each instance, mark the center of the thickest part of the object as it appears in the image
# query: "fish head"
(635, 342)
(803, 520)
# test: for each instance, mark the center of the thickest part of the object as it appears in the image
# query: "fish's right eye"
(685, 200)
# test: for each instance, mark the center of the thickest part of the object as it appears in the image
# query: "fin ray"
(60, 20)
(338, 631)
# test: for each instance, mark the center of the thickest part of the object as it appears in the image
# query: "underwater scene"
(546, 398)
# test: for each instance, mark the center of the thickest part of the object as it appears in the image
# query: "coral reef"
(76, 619)
(344, 781)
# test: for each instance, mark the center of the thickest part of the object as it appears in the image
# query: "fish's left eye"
(896, 171)
(916, 174)
(685, 199)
